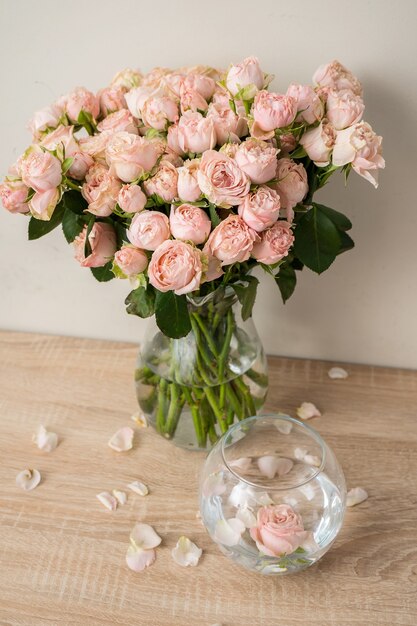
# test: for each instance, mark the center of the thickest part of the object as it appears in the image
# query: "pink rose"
(229, 149)
(260, 209)
(136, 98)
(80, 166)
(13, 194)
(221, 96)
(188, 188)
(95, 145)
(335, 75)
(155, 78)
(101, 190)
(191, 100)
(164, 183)
(318, 143)
(132, 261)
(201, 83)
(157, 112)
(43, 204)
(221, 180)
(343, 108)
(227, 125)
(81, 100)
(362, 147)
(102, 240)
(41, 170)
(189, 223)
(274, 244)
(196, 133)
(61, 139)
(148, 230)
(279, 530)
(173, 141)
(288, 143)
(273, 110)
(44, 119)
(257, 159)
(130, 156)
(292, 185)
(119, 121)
(310, 108)
(174, 82)
(127, 79)
(111, 99)
(131, 199)
(245, 74)
(231, 241)
(172, 157)
(176, 266)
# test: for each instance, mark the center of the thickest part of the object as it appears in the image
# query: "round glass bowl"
(272, 494)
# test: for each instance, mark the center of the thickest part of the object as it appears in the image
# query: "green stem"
(226, 344)
(211, 397)
(162, 397)
(201, 438)
(205, 332)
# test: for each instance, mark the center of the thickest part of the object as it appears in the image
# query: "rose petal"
(242, 464)
(139, 488)
(312, 460)
(356, 496)
(28, 479)
(284, 427)
(308, 491)
(299, 453)
(107, 500)
(45, 440)
(269, 466)
(140, 420)
(228, 532)
(310, 544)
(122, 440)
(143, 536)
(308, 410)
(120, 496)
(186, 552)
(214, 485)
(246, 496)
(337, 372)
(246, 516)
(138, 559)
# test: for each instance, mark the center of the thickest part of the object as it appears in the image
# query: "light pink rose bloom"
(173, 141)
(288, 143)
(310, 108)
(119, 121)
(196, 133)
(318, 143)
(148, 230)
(157, 112)
(189, 223)
(292, 185)
(131, 199)
(274, 244)
(231, 241)
(229, 149)
(176, 266)
(132, 261)
(172, 157)
(273, 110)
(101, 190)
(221, 180)
(81, 100)
(80, 166)
(279, 530)
(221, 96)
(228, 125)
(127, 79)
(188, 187)
(164, 183)
(343, 108)
(335, 75)
(244, 74)
(155, 78)
(45, 118)
(95, 145)
(191, 100)
(111, 99)
(362, 147)
(13, 194)
(201, 83)
(102, 240)
(41, 170)
(260, 208)
(43, 204)
(130, 156)
(173, 82)
(61, 137)
(136, 98)
(257, 159)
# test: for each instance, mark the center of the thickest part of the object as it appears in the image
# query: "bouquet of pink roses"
(184, 181)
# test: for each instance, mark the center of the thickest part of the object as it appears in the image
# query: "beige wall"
(365, 307)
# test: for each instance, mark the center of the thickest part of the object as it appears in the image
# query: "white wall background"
(364, 308)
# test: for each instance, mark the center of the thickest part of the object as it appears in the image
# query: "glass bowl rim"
(286, 418)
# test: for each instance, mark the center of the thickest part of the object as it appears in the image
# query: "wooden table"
(63, 555)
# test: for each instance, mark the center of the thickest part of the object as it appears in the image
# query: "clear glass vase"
(194, 388)
(272, 495)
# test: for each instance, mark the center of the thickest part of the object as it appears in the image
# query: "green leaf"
(172, 314)
(39, 228)
(347, 243)
(72, 225)
(120, 233)
(298, 153)
(87, 120)
(247, 295)
(87, 245)
(339, 220)
(317, 240)
(141, 302)
(67, 164)
(215, 219)
(74, 201)
(286, 280)
(104, 273)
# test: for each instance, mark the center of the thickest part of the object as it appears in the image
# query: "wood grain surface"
(62, 555)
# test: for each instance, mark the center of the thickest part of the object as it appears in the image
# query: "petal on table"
(186, 552)
(138, 559)
(140, 488)
(107, 500)
(140, 420)
(337, 372)
(307, 410)
(120, 496)
(356, 496)
(45, 440)
(122, 440)
(144, 536)
(28, 479)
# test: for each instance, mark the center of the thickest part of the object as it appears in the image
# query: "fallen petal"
(242, 464)
(139, 488)
(284, 427)
(308, 491)
(186, 552)
(308, 410)
(138, 559)
(140, 420)
(228, 532)
(45, 440)
(143, 536)
(312, 460)
(214, 485)
(356, 496)
(120, 496)
(107, 500)
(28, 479)
(270, 466)
(263, 498)
(337, 372)
(122, 440)
(246, 516)
(299, 453)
